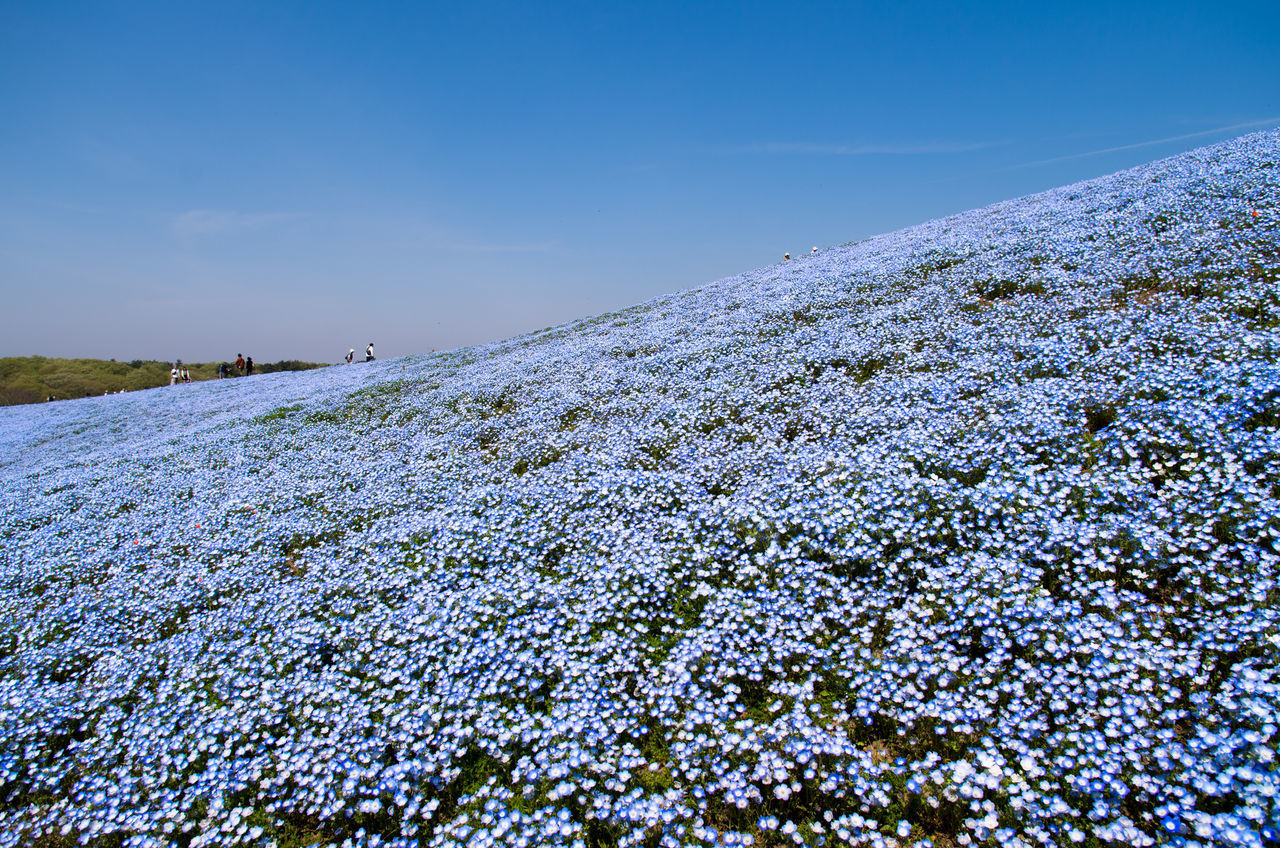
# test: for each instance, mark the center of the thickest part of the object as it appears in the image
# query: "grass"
(33, 379)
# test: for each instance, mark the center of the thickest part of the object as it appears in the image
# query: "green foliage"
(32, 379)
(279, 414)
(1005, 288)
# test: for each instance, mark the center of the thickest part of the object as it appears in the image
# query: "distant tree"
(14, 396)
(286, 365)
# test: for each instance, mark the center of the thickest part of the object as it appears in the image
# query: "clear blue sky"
(290, 179)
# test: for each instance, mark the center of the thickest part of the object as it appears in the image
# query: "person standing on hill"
(248, 367)
(240, 363)
(173, 375)
(368, 353)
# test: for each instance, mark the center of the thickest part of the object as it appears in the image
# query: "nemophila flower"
(977, 517)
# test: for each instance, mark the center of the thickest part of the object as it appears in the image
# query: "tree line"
(34, 379)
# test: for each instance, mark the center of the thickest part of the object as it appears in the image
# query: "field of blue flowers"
(961, 535)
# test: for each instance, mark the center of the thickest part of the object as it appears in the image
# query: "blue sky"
(288, 180)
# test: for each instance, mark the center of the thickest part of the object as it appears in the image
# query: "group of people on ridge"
(368, 354)
(244, 366)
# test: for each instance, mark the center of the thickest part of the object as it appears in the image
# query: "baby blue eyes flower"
(975, 519)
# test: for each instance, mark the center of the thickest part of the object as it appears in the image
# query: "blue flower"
(1004, 480)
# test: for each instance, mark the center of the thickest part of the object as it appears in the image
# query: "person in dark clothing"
(248, 367)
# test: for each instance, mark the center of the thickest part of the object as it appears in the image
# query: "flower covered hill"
(965, 534)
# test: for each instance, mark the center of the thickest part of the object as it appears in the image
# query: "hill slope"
(33, 379)
(961, 534)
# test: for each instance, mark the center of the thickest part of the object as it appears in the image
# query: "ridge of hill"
(33, 379)
(963, 534)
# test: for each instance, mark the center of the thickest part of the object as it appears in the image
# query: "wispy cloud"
(417, 235)
(197, 223)
(1245, 126)
(515, 247)
(922, 149)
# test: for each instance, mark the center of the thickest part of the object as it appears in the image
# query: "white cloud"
(515, 247)
(1233, 127)
(926, 148)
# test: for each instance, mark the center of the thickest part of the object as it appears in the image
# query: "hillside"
(964, 534)
(33, 379)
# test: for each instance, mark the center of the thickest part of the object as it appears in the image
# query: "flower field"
(961, 535)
